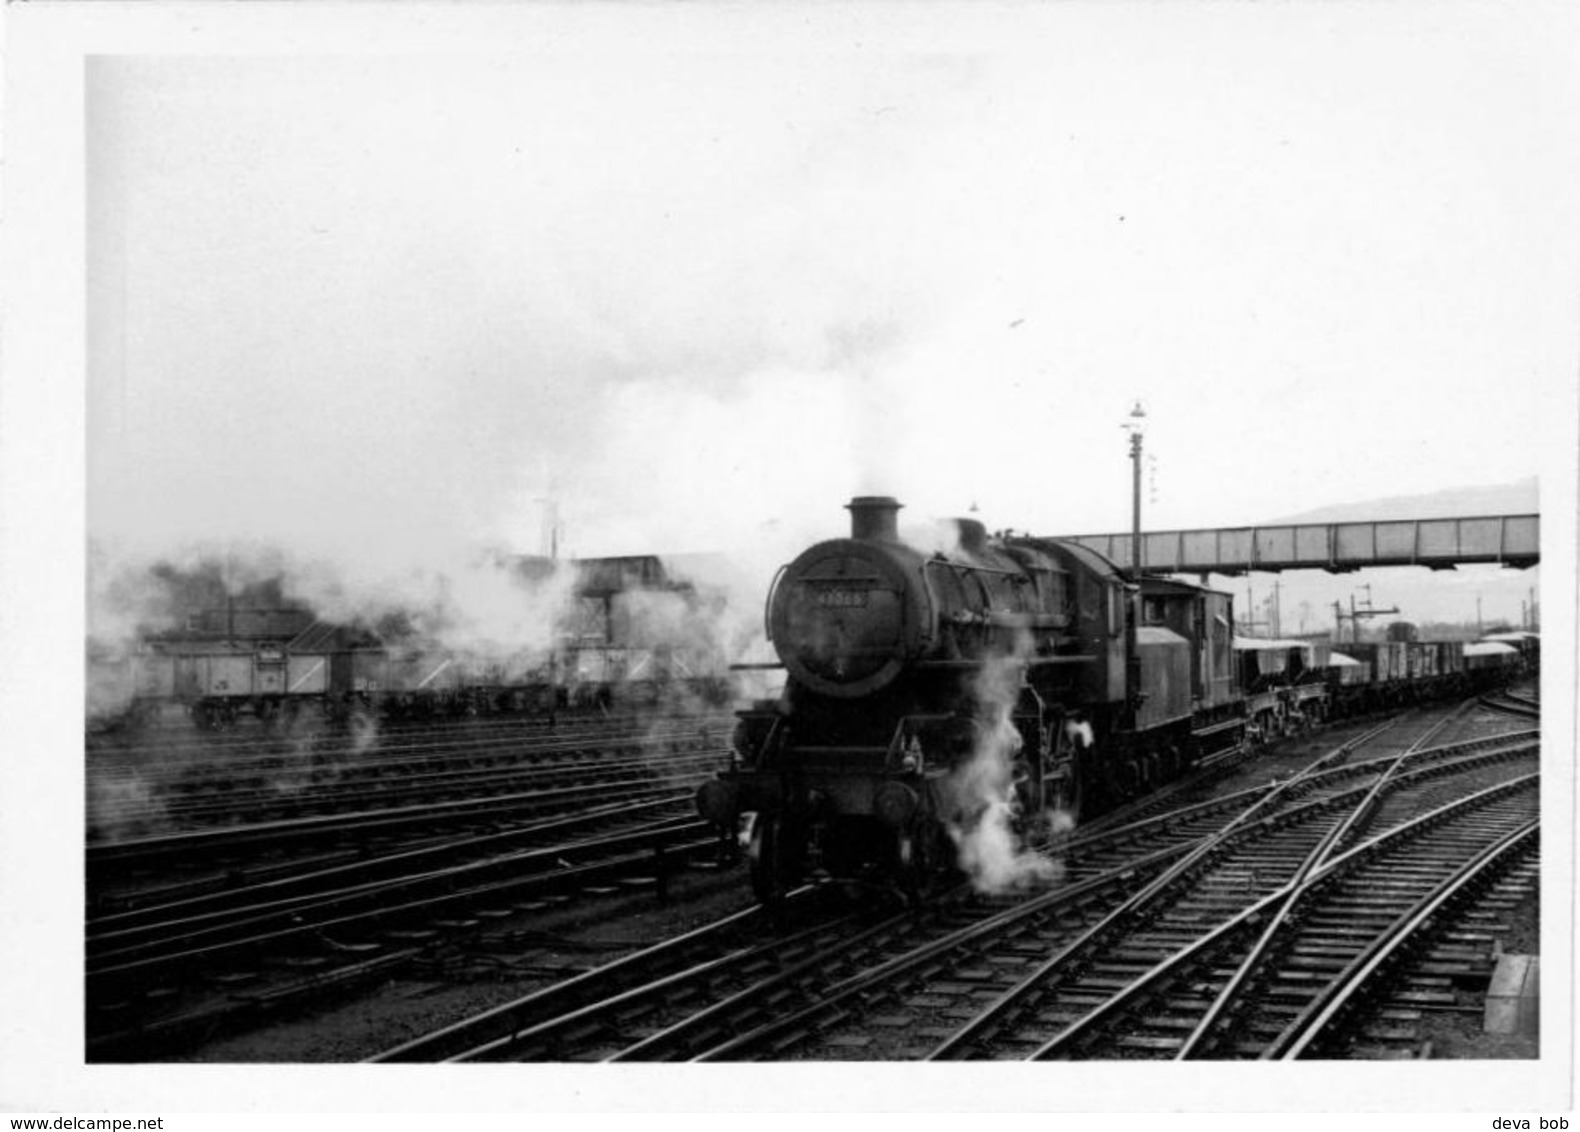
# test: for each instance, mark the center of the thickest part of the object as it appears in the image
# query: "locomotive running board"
(1213, 729)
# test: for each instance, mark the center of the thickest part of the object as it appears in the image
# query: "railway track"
(1162, 952)
(260, 740)
(1511, 703)
(389, 745)
(319, 774)
(736, 948)
(191, 967)
(984, 988)
(282, 803)
(114, 869)
(1445, 939)
(1259, 984)
(294, 911)
(1287, 756)
(883, 978)
(193, 932)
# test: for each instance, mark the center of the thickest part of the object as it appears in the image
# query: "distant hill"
(1518, 498)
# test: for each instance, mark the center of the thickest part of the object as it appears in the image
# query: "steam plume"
(989, 850)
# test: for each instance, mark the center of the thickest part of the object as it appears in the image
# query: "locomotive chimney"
(874, 517)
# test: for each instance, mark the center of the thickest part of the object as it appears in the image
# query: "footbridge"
(1440, 544)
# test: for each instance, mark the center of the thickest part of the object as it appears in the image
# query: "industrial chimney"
(874, 517)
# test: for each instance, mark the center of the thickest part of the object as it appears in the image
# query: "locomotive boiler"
(931, 690)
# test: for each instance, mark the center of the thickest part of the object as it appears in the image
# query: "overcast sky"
(386, 304)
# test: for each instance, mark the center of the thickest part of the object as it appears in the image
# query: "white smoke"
(473, 604)
(939, 536)
(732, 594)
(123, 807)
(484, 616)
(110, 684)
(478, 605)
(122, 603)
(989, 849)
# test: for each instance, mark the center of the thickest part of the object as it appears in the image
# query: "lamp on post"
(1137, 564)
(1138, 560)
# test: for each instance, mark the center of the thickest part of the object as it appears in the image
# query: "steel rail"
(472, 749)
(1214, 843)
(106, 855)
(798, 972)
(289, 921)
(1159, 858)
(415, 735)
(1509, 707)
(858, 985)
(988, 926)
(509, 1020)
(994, 925)
(376, 794)
(718, 1014)
(1310, 1025)
(311, 885)
(1449, 751)
(900, 964)
(1280, 916)
(377, 755)
(1107, 1010)
(1208, 845)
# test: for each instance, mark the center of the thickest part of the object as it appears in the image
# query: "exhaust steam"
(989, 848)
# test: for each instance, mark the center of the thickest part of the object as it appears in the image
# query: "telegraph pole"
(1356, 615)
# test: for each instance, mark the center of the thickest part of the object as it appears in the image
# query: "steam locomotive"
(928, 691)
(1014, 680)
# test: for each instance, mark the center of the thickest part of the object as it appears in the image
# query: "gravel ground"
(1460, 1035)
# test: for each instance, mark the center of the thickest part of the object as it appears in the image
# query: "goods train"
(629, 633)
(930, 691)
(1293, 684)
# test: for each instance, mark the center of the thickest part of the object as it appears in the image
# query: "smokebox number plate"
(841, 599)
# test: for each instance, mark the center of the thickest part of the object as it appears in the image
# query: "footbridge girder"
(1440, 544)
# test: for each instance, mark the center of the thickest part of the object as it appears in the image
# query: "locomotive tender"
(926, 688)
